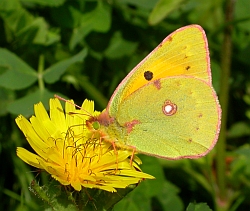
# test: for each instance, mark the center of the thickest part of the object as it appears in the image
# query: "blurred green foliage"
(83, 49)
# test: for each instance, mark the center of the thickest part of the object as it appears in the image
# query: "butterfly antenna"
(68, 101)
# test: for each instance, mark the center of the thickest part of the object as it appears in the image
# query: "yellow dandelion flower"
(72, 154)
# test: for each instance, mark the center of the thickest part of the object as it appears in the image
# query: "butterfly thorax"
(103, 119)
(109, 129)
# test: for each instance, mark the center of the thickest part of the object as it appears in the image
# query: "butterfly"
(166, 106)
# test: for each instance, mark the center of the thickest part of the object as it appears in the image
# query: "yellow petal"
(28, 157)
(57, 114)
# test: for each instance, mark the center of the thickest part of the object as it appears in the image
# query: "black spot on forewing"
(148, 75)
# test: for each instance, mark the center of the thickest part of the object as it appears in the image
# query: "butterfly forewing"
(184, 52)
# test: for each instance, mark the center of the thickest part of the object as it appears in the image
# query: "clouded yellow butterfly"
(166, 106)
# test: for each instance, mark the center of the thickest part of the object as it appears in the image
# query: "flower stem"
(222, 201)
(40, 72)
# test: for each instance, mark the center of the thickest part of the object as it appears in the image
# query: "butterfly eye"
(169, 108)
(96, 125)
(148, 75)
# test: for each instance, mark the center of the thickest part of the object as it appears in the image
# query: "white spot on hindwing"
(169, 108)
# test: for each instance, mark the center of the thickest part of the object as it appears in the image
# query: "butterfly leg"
(116, 153)
(132, 156)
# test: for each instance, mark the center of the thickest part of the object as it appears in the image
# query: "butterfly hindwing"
(191, 130)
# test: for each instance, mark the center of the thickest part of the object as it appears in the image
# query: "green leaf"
(66, 16)
(139, 3)
(240, 167)
(198, 207)
(168, 197)
(48, 3)
(6, 96)
(14, 15)
(52, 198)
(53, 73)
(119, 47)
(153, 167)
(239, 129)
(27, 28)
(65, 199)
(205, 13)
(93, 91)
(242, 14)
(37, 33)
(25, 105)
(216, 70)
(14, 72)
(97, 20)
(100, 18)
(162, 10)
(7, 5)
(104, 200)
(140, 198)
(244, 151)
(135, 201)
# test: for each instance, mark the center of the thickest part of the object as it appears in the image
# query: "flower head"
(71, 153)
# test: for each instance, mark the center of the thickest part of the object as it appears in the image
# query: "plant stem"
(40, 72)
(222, 201)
